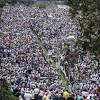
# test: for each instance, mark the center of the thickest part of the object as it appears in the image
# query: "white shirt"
(84, 93)
(28, 96)
(36, 91)
(88, 97)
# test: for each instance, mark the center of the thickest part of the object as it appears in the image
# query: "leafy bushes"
(89, 22)
(2, 3)
(42, 6)
(5, 93)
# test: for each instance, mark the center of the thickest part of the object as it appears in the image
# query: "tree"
(89, 10)
(5, 93)
(2, 3)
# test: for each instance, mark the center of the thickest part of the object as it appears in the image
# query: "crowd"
(24, 65)
(52, 25)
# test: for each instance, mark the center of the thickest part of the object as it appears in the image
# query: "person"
(16, 92)
(45, 97)
(85, 93)
(98, 91)
(22, 93)
(79, 96)
(36, 90)
(61, 97)
(20, 98)
(28, 95)
(40, 96)
(36, 93)
(84, 98)
(36, 97)
(54, 97)
(71, 97)
(65, 94)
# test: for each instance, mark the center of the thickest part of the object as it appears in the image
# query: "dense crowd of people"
(24, 65)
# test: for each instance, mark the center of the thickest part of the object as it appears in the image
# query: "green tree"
(89, 21)
(5, 93)
(2, 3)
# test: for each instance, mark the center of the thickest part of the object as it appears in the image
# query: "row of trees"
(89, 10)
(3, 2)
